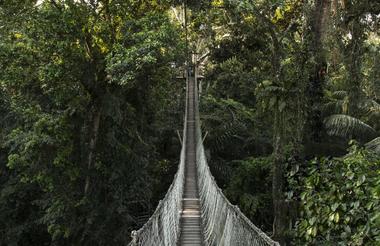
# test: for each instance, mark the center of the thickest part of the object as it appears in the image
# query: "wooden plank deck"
(191, 230)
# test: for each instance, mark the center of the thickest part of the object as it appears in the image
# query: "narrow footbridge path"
(194, 210)
(191, 232)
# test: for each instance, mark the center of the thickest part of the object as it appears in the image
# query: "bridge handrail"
(223, 223)
(163, 226)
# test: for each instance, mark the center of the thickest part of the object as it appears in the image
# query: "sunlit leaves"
(217, 3)
(284, 13)
(147, 44)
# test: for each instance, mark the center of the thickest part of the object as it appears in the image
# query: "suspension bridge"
(194, 210)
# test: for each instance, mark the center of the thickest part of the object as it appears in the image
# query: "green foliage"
(85, 93)
(231, 80)
(250, 187)
(339, 204)
(147, 45)
(89, 109)
(234, 130)
(349, 127)
(374, 145)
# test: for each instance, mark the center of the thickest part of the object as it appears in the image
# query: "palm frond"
(374, 145)
(346, 126)
(337, 104)
(375, 106)
(333, 107)
(371, 106)
(340, 94)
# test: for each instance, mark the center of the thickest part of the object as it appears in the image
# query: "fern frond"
(348, 127)
(228, 135)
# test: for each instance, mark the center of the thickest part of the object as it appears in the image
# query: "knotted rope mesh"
(223, 223)
(163, 227)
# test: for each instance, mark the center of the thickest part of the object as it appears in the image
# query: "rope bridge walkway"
(194, 210)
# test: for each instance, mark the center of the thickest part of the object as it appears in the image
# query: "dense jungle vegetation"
(90, 106)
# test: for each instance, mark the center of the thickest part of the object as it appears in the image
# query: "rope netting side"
(223, 223)
(163, 227)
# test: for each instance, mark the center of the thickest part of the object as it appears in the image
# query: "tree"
(87, 84)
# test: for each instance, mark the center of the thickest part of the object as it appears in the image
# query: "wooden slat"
(191, 231)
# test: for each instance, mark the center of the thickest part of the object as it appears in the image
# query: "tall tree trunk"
(92, 84)
(318, 23)
(278, 169)
(353, 59)
(92, 146)
(279, 206)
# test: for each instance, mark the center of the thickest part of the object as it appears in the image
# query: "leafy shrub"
(340, 200)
